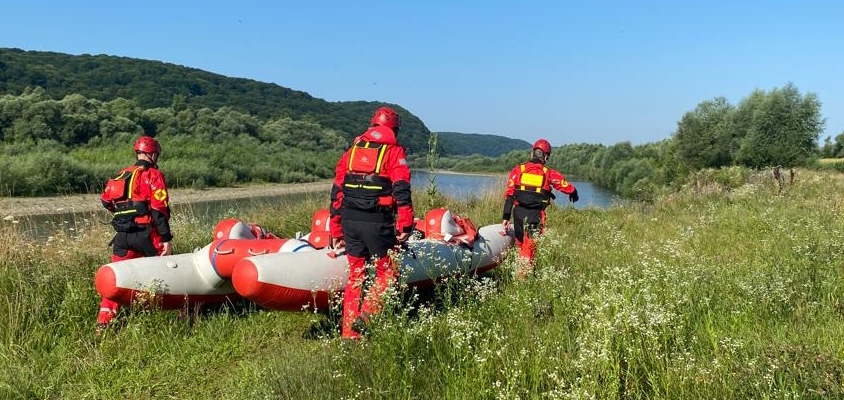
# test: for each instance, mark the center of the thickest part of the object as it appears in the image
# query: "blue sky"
(589, 71)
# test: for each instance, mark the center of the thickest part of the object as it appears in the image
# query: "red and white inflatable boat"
(288, 274)
(199, 277)
(307, 278)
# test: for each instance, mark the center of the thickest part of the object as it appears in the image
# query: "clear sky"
(591, 71)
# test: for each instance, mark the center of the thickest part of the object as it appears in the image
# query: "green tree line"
(833, 148)
(74, 144)
(466, 144)
(779, 127)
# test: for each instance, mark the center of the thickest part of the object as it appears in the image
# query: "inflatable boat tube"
(225, 253)
(192, 278)
(296, 280)
(172, 280)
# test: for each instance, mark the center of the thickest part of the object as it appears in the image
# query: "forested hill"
(67, 124)
(156, 84)
(465, 144)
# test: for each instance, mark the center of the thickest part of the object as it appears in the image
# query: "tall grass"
(725, 289)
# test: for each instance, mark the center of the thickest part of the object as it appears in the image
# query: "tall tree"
(705, 136)
(838, 146)
(828, 148)
(780, 127)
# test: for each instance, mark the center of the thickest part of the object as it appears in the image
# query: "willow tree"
(779, 128)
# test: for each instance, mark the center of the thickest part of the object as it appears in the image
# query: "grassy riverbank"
(726, 289)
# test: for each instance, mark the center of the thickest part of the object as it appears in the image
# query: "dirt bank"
(11, 207)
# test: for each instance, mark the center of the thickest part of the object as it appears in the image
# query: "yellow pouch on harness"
(534, 180)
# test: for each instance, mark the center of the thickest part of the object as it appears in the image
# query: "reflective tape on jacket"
(359, 186)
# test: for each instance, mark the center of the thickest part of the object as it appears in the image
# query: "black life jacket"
(533, 190)
(128, 211)
(364, 188)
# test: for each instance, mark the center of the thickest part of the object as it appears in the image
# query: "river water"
(466, 185)
(459, 186)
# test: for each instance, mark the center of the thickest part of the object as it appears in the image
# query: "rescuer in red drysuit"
(528, 194)
(139, 200)
(371, 213)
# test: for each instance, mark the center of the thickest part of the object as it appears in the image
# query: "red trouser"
(132, 245)
(366, 240)
(527, 224)
(353, 307)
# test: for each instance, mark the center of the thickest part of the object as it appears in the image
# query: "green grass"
(826, 161)
(724, 289)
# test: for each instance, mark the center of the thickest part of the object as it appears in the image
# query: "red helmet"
(146, 144)
(543, 145)
(386, 116)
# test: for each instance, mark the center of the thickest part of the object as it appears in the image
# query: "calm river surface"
(466, 185)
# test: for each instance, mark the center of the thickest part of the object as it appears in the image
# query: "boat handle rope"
(257, 254)
(224, 252)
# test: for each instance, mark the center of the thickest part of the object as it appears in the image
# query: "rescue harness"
(533, 190)
(127, 208)
(363, 187)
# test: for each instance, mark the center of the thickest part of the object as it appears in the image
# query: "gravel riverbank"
(13, 207)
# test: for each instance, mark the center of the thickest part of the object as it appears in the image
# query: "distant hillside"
(157, 84)
(464, 144)
(67, 124)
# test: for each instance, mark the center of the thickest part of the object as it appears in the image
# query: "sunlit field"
(727, 288)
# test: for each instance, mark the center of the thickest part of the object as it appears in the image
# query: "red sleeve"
(559, 182)
(159, 202)
(511, 182)
(510, 193)
(399, 170)
(341, 168)
(159, 196)
(336, 206)
(400, 175)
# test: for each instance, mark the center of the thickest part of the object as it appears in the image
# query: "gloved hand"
(337, 243)
(166, 249)
(573, 197)
(506, 224)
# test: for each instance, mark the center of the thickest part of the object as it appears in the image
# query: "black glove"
(573, 197)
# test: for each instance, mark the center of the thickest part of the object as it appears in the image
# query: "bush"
(39, 174)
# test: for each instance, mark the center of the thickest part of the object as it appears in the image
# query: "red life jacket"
(533, 189)
(364, 186)
(130, 213)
